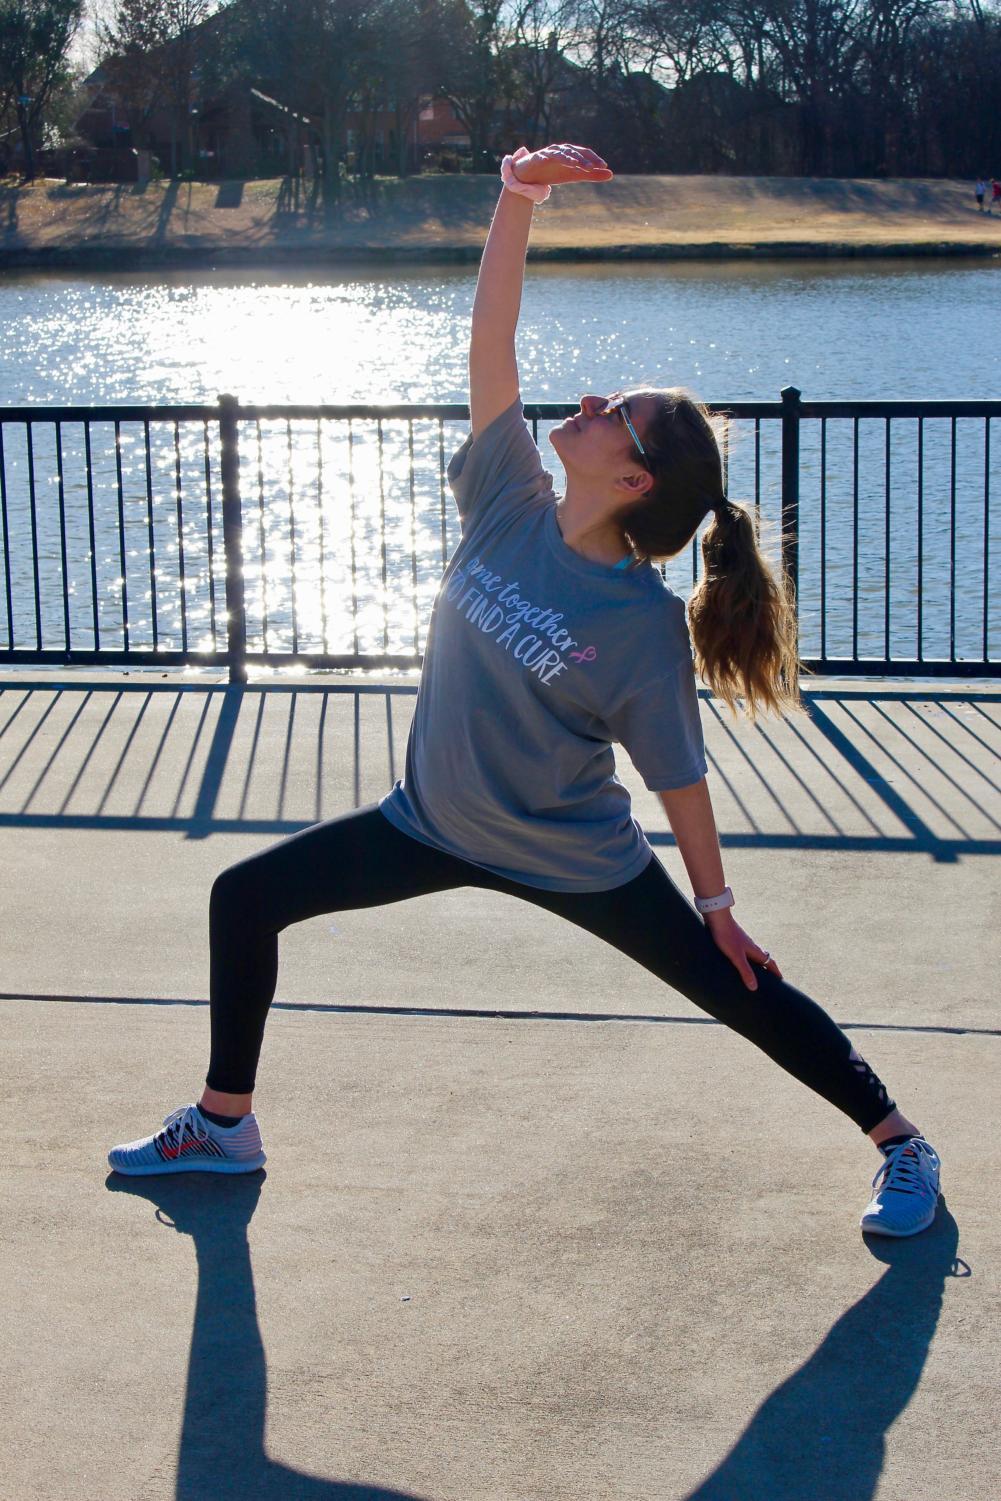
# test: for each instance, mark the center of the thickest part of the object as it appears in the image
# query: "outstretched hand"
(562, 163)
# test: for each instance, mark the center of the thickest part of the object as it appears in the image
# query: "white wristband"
(714, 903)
(537, 191)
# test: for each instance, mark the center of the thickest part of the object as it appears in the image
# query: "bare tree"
(272, 48)
(474, 74)
(818, 44)
(348, 38)
(540, 32)
(409, 69)
(35, 37)
(620, 108)
(151, 51)
(883, 110)
(129, 39)
(182, 22)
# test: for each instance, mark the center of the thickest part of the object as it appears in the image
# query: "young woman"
(552, 636)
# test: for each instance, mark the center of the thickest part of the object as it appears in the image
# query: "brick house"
(243, 131)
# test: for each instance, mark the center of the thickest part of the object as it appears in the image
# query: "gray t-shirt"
(537, 659)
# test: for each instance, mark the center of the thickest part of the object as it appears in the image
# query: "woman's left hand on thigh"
(739, 947)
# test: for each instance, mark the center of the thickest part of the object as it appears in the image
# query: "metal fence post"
(790, 486)
(232, 533)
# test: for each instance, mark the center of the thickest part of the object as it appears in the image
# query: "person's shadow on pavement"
(221, 1454)
(821, 1433)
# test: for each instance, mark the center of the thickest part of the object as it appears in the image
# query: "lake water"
(731, 331)
(889, 330)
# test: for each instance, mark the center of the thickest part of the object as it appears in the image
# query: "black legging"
(362, 860)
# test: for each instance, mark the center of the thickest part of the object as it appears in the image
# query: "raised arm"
(493, 369)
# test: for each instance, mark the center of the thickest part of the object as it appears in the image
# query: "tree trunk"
(25, 122)
(404, 124)
(331, 146)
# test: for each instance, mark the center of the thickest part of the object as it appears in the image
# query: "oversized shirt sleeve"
(660, 729)
(502, 467)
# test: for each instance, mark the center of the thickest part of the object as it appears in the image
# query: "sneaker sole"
(878, 1228)
(186, 1165)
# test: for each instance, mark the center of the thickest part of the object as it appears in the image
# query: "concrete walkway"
(532, 1226)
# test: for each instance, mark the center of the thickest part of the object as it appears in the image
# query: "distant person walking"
(553, 635)
(995, 194)
(979, 189)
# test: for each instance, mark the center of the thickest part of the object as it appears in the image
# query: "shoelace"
(906, 1169)
(185, 1118)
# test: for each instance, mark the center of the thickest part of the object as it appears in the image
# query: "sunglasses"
(618, 404)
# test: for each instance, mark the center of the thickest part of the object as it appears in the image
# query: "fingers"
(746, 973)
(760, 957)
(579, 158)
(764, 958)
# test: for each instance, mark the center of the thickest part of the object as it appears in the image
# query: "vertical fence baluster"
(413, 541)
(987, 517)
(60, 480)
(855, 561)
(952, 543)
(382, 540)
(354, 557)
(6, 545)
(232, 532)
(790, 487)
(889, 536)
(823, 539)
(151, 538)
(921, 535)
(262, 538)
(319, 521)
(291, 537)
(121, 533)
(34, 537)
(726, 475)
(92, 534)
(208, 535)
(180, 539)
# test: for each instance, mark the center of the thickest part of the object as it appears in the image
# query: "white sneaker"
(906, 1190)
(189, 1143)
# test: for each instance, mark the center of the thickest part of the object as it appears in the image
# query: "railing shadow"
(221, 1453)
(822, 1432)
(873, 770)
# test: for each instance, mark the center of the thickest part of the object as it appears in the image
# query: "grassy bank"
(446, 218)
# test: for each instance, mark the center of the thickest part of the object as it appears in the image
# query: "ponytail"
(743, 620)
(742, 617)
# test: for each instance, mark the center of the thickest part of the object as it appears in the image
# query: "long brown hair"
(742, 613)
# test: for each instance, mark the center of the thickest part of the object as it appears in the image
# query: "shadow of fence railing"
(865, 768)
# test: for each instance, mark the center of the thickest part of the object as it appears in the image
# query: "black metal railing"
(244, 536)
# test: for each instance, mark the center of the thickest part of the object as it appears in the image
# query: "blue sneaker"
(906, 1190)
(189, 1143)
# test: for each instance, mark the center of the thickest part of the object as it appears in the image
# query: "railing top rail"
(956, 408)
(186, 412)
(459, 412)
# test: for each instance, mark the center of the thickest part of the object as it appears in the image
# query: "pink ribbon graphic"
(587, 655)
